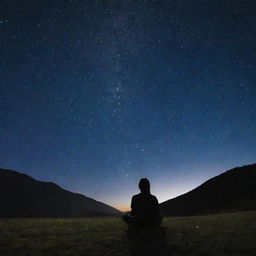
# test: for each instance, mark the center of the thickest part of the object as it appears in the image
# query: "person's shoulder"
(154, 197)
(136, 196)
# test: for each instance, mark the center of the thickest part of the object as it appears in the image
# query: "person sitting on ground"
(144, 208)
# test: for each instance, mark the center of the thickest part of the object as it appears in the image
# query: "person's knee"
(126, 218)
(158, 220)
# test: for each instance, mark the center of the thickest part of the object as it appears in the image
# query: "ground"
(221, 234)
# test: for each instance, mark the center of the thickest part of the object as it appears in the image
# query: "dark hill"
(233, 190)
(23, 196)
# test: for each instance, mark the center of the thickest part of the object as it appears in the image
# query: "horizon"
(98, 94)
(125, 208)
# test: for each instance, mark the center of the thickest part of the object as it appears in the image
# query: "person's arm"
(132, 207)
(156, 207)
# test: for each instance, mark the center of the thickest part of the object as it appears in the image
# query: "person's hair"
(144, 185)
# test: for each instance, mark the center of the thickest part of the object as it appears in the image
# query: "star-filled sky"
(95, 95)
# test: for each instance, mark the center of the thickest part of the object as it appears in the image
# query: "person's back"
(145, 208)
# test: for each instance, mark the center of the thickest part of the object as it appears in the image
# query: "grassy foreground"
(222, 234)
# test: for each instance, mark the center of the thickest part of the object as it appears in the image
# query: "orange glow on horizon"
(122, 208)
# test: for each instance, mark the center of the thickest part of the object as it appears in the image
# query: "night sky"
(95, 95)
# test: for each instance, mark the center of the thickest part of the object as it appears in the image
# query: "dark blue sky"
(97, 94)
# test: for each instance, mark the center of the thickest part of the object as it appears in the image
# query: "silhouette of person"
(144, 208)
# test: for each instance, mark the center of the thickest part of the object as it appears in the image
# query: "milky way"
(97, 94)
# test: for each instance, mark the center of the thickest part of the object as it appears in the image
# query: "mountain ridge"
(23, 196)
(232, 190)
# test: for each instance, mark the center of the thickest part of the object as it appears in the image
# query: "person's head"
(144, 185)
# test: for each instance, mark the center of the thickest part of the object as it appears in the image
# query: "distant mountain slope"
(23, 196)
(232, 190)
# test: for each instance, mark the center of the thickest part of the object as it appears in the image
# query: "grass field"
(223, 234)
